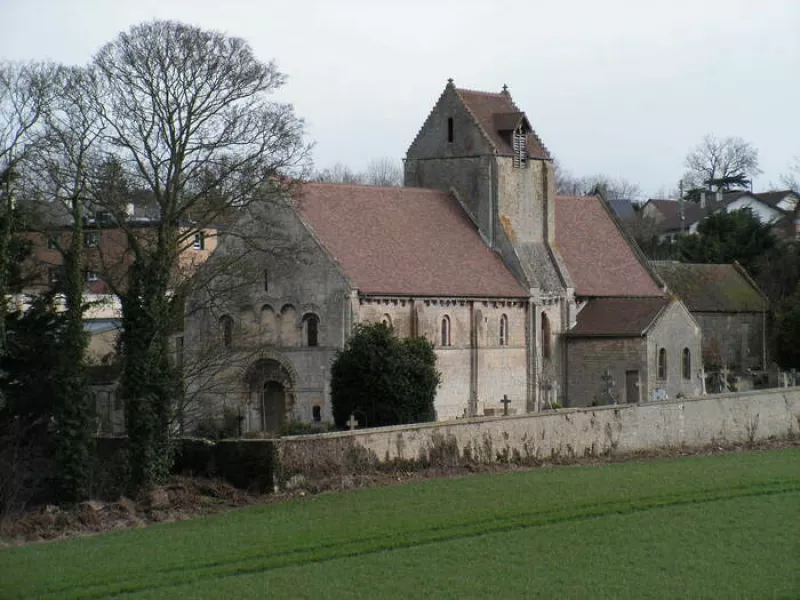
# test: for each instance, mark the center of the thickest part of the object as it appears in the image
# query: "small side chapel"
(476, 253)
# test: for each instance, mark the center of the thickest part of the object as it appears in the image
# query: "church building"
(526, 295)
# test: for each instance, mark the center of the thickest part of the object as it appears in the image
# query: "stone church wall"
(675, 330)
(588, 360)
(735, 339)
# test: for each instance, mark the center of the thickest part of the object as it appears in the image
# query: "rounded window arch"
(311, 329)
(226, 325)
(686, 363)
(387, 320)
(445, 331)
(546, 337)
(503, 330)
(662, 363)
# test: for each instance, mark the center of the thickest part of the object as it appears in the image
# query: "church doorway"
(269, 396)
(273, 406)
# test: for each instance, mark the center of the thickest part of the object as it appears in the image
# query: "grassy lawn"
(725, 526)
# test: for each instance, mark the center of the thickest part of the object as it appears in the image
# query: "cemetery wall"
(553, 435)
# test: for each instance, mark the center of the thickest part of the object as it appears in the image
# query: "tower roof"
(494, 113)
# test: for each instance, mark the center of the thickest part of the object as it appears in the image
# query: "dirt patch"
(189, 497)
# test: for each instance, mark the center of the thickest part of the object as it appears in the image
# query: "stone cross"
(351, 422)
(505, 402)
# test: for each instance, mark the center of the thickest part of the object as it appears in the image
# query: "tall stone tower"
(481, 147)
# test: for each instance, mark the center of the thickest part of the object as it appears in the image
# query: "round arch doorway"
(269, 395)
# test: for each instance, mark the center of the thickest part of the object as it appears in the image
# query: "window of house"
(686, 365)
(199, 242)
(91, 239)
(54, 275)
(504, 330)
(546, 336)
(311, 327)
(92, 276)
(226, 324)
(450, 129)
(662, 363)
(52, 242)
(266, 280)
(520, 147)
(446, 331)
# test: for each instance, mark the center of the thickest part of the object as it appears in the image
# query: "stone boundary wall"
(532, 438)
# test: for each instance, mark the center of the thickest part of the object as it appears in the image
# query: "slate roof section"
(493, 111)
(599, 259)
(623, 208)
(712, 288)
(618, 317)
(404, 241)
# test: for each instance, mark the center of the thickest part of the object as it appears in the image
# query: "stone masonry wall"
(562, 434)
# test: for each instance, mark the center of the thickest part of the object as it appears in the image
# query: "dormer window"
(519, 142)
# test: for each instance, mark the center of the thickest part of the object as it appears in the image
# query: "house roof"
(772, 199)
(404, 241)
(692, 212)
(600, 261)
(623, 208)
(495, 113)
(618, 317)
(712, 288)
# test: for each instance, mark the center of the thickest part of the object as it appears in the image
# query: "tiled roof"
(712, 288)
(618, 317)
(404, 241)
(692, 212)
(773, 198)
(599, 259)
(487, 107)
(623, 208)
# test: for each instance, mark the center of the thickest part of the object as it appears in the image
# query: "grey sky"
(618, 87)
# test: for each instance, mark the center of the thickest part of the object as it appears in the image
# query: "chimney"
(702, 199)
(718, 195)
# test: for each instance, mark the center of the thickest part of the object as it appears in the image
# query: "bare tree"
(384, 171)
(791, 179)
(186, 113)
(615, 188)
(338, 173)
(721, 164)
(26, 90)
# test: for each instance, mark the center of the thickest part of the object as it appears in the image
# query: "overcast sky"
(619, 87)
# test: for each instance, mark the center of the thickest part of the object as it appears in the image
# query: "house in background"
(730, 309)
(675, 217)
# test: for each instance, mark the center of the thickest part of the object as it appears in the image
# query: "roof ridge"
(485, 93)
(372, 186)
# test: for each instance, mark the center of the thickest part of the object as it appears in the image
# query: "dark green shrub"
(383, 380)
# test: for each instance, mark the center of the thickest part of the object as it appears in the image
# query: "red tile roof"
(618, 317)
(486, 107)
(404, 241)
(599, 259)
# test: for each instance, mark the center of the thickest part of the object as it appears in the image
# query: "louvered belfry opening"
(520, 147)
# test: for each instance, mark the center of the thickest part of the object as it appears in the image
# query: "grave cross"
(505, 402)
(352, 423)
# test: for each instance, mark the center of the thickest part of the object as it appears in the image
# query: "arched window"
(387, 320)
(686, 364)
(311, 329)
(446, 331)
(266, 280)
(546, 350)
(504, 330)
(226, 324)
(662, 363)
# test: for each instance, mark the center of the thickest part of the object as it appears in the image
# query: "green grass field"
(725, 526)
